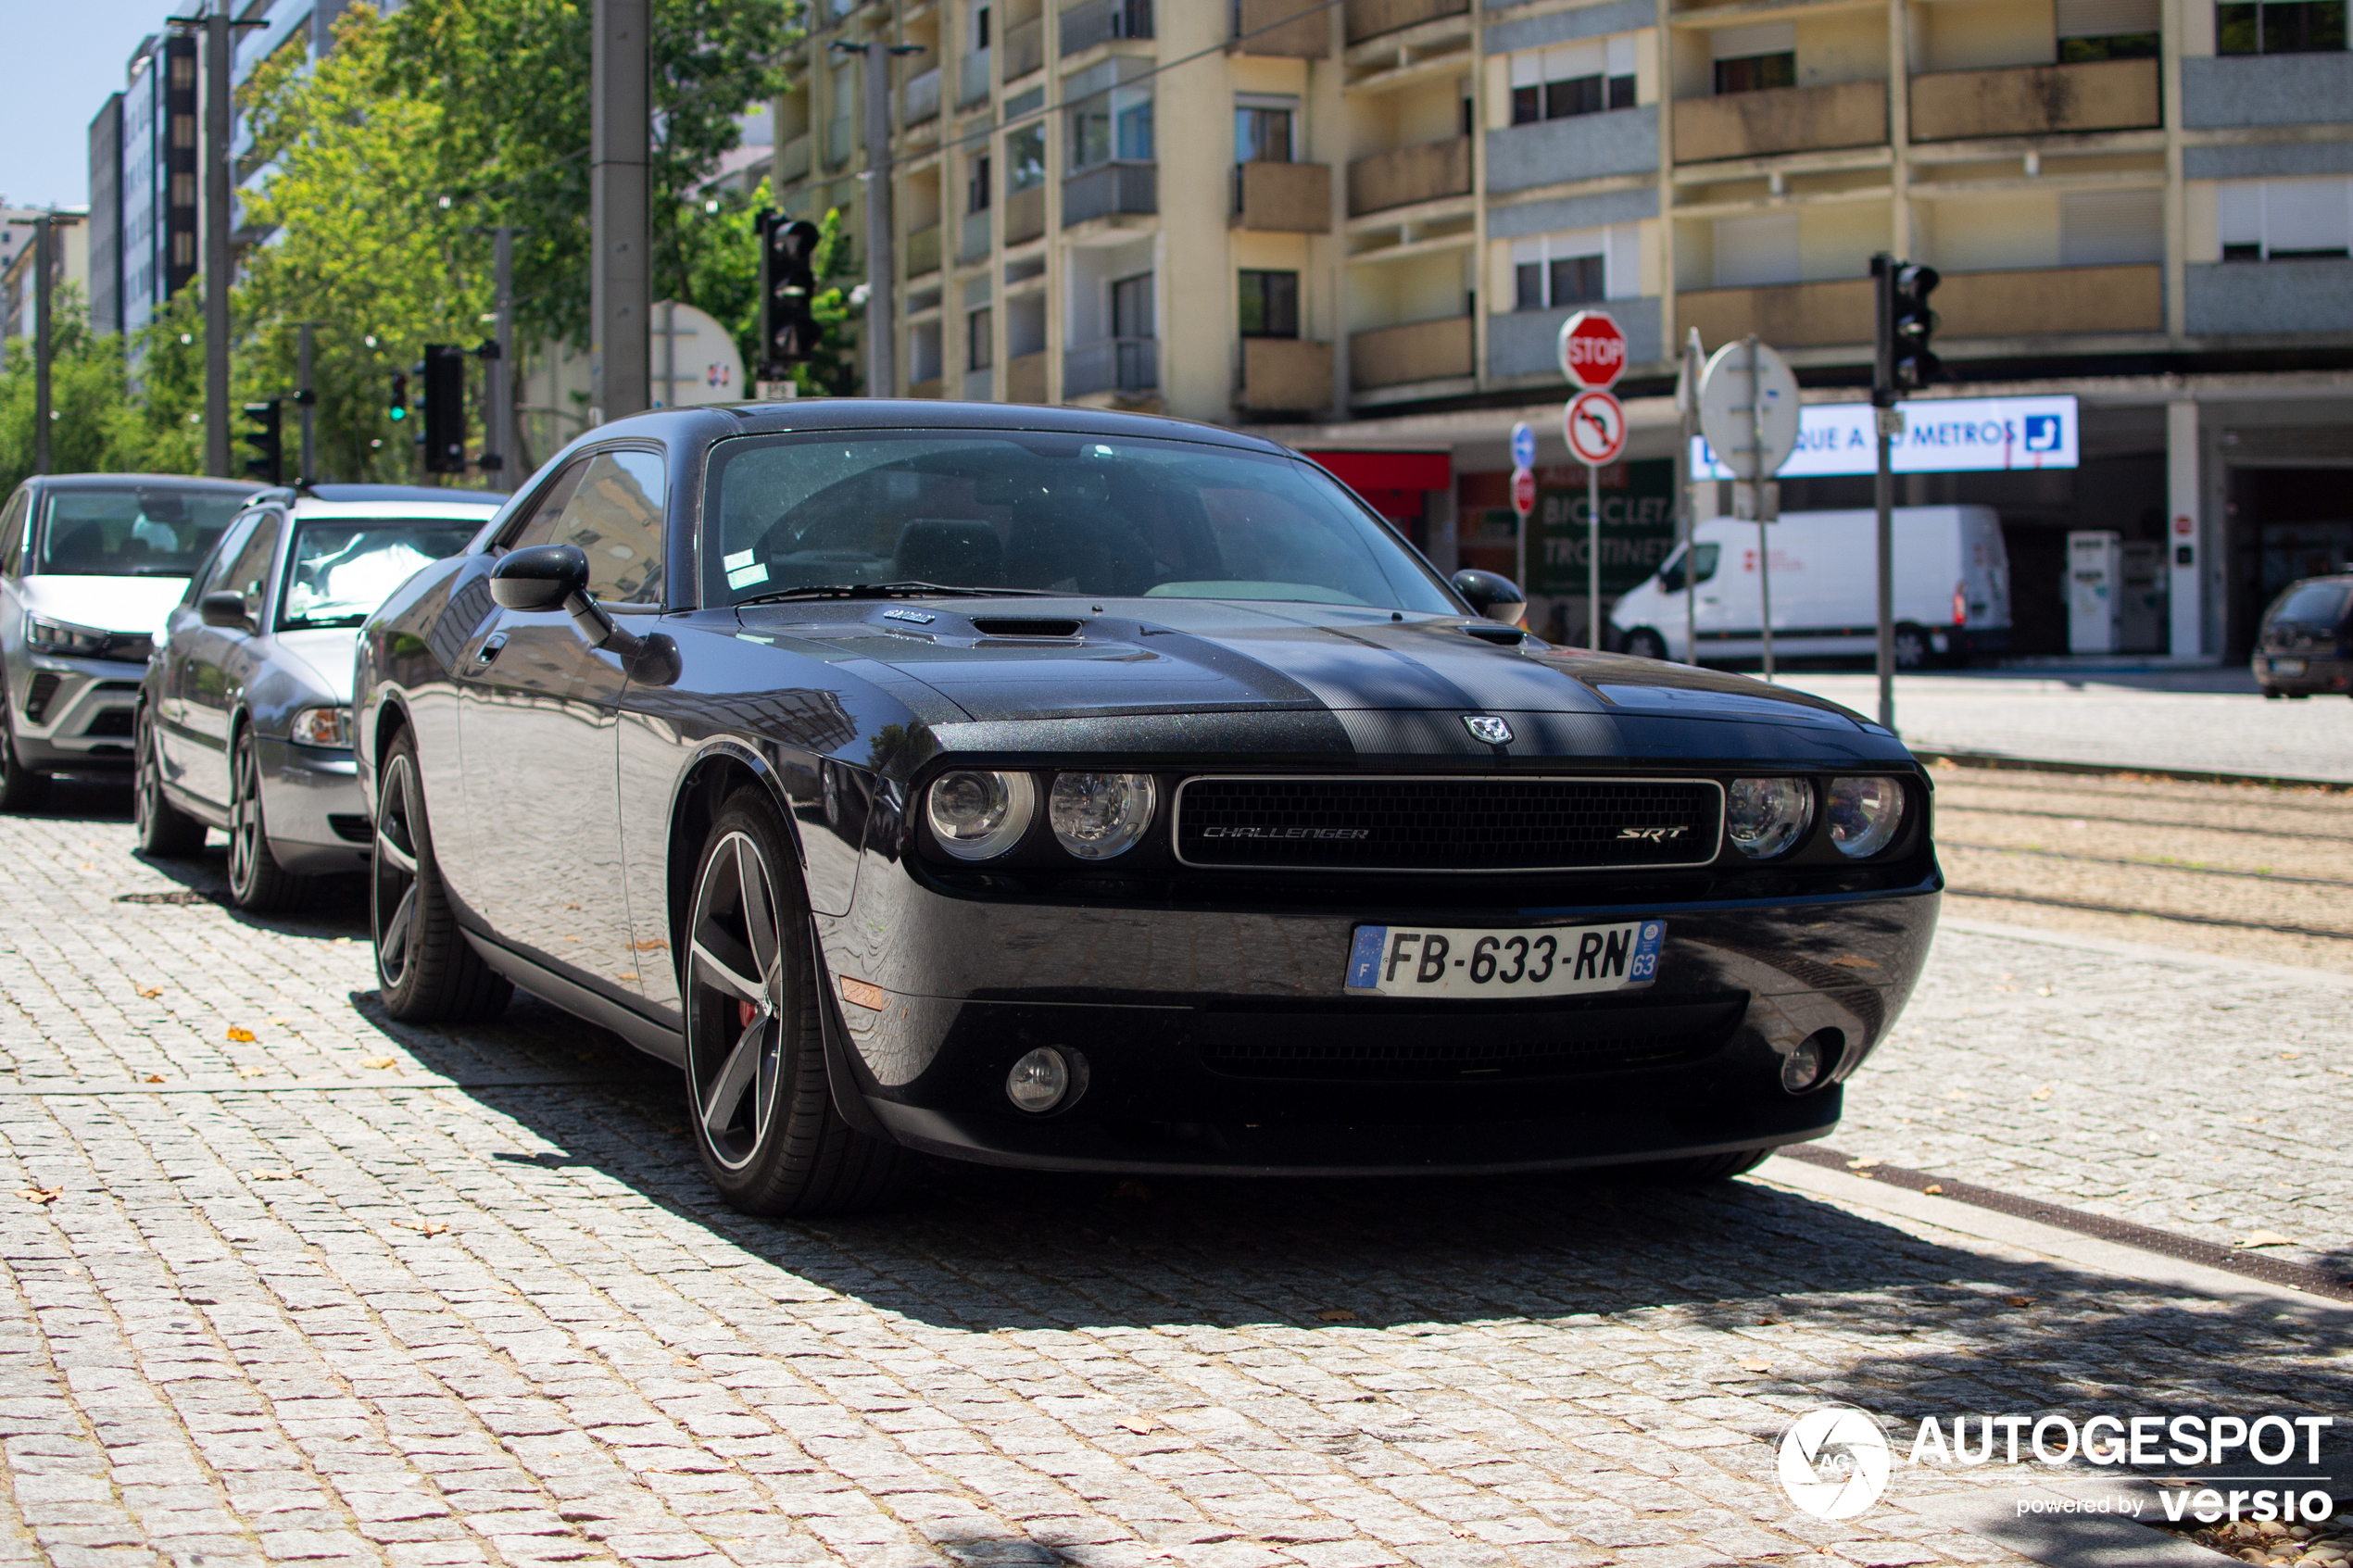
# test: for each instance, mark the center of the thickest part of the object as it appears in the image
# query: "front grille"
(1369, 1046)
(1456, 825)
(113, 722)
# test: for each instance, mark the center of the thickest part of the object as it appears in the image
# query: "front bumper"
(311, 803)
(74, 715)
(1221, 1041)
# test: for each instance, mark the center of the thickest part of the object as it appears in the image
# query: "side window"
(12, 534)
(248, 570)
(215, 573)
(534, 528)
(610, 505)
(1701, 557)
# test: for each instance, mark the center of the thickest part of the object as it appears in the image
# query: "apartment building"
(1360, 224)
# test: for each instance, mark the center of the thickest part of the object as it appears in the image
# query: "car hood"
(106, 604)
(1394, 686)
(323, 657)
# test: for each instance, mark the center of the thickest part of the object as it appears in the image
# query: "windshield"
(141, 530)
(1047, 513)
(2310, 603)
(340, 571)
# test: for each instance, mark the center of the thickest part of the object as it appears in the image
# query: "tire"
(258, 884)
(426, 971)
(1912, 650)
(1644, 643)
(2272, 694)
(21, 789)
(758, 1093)
(1699, 1169)
(165, 833)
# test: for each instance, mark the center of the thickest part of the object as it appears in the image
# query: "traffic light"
(787, 330)
(1904, 321)
(444, 436)
(268, 463)
(398, 411)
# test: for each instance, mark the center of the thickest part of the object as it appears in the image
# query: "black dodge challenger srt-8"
(1083, 791)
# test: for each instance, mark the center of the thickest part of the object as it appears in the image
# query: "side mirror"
(224, 607)
(542, 577)
(1496, 597)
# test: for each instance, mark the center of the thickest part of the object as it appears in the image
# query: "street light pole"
(500, 406)
(306, 400)
(219, 45)
(882, 327)
(44, 340)
(619, 272)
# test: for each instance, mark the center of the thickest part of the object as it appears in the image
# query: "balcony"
(972, 78)
(1108, 189)
(1283, 198)
(792, 163)
(1099, 21)
(1024, 48)
(1026, 378)
(1129, 365)
(1276, 26)
(1025, 215)
(1419, 352)
(973, 243)
(919, 100)
(1421, 173)
(841, 137)
(1784, 120)
(923, 251)
(2051, 301)
(2035, 100)
(1785, 315)
(1370, 19)
(1285, 375)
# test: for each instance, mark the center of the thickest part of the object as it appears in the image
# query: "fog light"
(1039, 1081)
(1810, 1060)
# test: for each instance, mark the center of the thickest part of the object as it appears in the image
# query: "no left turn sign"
(1595, 425)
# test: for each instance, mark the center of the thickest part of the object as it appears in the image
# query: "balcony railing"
(919, 100)
(1285, 375)
(1409, 174)
(2050, 301)
(792, 162)
(1112, 364)
(972, 78)
(1278, 27)
(1782, 120)
(1109, 188)
(1025, 215)
(1788, 315)
(974, 242)
(1370, 19)
(1024, 48)
(923, 251)
(1098, 21)
(2035, 100)
(1026, 378)
(1283, 198)
(1418, 352)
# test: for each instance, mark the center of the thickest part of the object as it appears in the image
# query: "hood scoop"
(1026, 626)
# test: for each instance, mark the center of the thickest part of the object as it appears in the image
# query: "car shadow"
(333, 907)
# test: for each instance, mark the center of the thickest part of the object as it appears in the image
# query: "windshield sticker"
(737, 561)
(746, 576)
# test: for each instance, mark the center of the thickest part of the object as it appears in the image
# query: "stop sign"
(1592, 348)
(1523, 492)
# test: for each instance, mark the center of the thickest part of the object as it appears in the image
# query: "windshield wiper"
(897, 591)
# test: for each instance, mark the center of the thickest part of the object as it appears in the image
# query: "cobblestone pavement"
(316, 1288)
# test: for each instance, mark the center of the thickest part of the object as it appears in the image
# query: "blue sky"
(64, 58)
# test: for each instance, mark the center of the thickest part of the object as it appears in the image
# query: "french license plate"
(2287, 667)
(1392, 961)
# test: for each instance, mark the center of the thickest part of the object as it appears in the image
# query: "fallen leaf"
(1337, 1315)
(2266, 1238)
(251, 1072)
(1135, 1424)
(1864, 1163)
(42, 1196)
(2043, 1093)
(272, 1175)
(1933, 1188)
(151, 992)
(241, 1036)
(424, 1227)
(155, 1077)
(2019, 1300)
(2042, 991)
(1757, 1366)
(1766, 1322)
(381, 1061)
(2291, 1055)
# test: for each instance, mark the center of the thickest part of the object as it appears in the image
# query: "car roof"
(443, 509)
(406, 493)
(924, 413)
(146, 480)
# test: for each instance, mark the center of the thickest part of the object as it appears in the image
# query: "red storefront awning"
(1392, 481)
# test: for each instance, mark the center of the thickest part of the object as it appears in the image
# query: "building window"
(2284, 219)
(1108, 121)
(980, 339)
(2295, 27)
(1131, 307)
(183, 190)
(2111, 228)
(1026, 158)
(980, 27)
(1270, 304)
(1758, 252)
(1573, 79)
(2106, 30)
(1755, 59)
(976, 185)
(184, 248)
(1262, 131)
(183, 130)
(1577, 266)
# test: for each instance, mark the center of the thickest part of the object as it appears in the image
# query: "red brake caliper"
(744, 1015)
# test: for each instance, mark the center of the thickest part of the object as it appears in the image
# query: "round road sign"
(1592, 348)
(1523, 445)
(1523, 491)
(1724, 415)
(1595, 426)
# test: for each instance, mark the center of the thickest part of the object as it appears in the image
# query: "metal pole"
(305, 342)
(882, 356)
(1883, 497)
(498, 407)
(620, 278)
(1687, 397)
(1756, 495)
(43, 342)
(219, 45)
(1593, 556)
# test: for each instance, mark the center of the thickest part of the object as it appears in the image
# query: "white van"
(1952, 589)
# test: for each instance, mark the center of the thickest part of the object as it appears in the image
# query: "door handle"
(487, 654)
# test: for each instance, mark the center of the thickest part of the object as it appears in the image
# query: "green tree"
(104, 420)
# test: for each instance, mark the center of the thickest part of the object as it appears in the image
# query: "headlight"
(1763, 817)
(59, 636)
(1096, 816)
(1865, 814)
(324, 727)
(976, 815)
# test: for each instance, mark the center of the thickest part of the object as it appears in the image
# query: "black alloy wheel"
(1912, 651)
(756, 1087)
(426, 971)
(165, 832)
(257, 881)
(21, 789)
(1644, 643)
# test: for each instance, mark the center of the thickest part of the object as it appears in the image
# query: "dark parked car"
(2306, 641)
(1082, 791)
